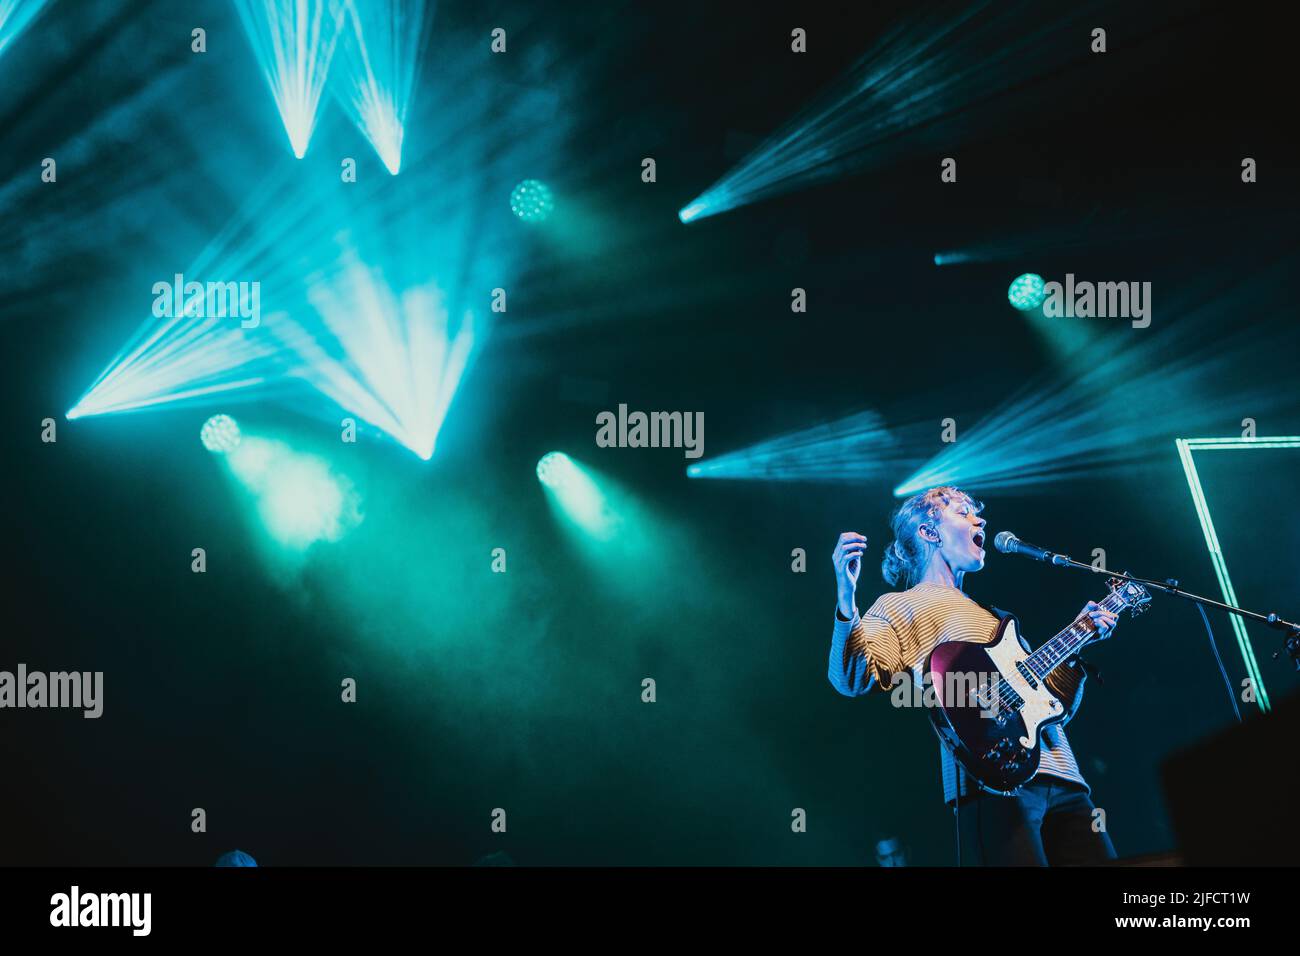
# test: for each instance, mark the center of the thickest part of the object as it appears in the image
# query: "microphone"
(1008, 543)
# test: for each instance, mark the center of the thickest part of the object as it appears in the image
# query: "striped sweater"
(897, 634)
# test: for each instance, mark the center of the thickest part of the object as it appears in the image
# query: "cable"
(1214, 645)
(956, 809)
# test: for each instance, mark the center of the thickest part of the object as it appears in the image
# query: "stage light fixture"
(1027, 291)
(693, 211)
(950, 258)
(576, 496)
(220, 434)
(370, 296)
(532, 200)
(554, 468)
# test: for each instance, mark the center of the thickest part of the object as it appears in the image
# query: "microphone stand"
(1291, 643)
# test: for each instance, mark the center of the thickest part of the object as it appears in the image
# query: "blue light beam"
(848, 450)
(916, 90)
(1109, 416)
(300, 499)
(575, 495)
(379, 54)
(373, 296)
(15, 17)
(401, 358)
(190, 355)
(294, 42)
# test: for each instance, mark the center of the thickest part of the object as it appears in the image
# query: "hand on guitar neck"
(1102, 620)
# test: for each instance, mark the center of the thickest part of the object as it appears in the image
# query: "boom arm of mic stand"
(1170, 586)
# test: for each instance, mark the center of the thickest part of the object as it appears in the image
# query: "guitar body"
(991, 702)
(991, 708)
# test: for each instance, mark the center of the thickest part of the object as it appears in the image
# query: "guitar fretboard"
(1067, 643)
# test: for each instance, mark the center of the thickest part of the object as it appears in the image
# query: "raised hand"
(848, 565)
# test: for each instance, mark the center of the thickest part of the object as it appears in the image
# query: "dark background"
(522, 690)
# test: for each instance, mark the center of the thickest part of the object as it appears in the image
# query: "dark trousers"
(1049, 823)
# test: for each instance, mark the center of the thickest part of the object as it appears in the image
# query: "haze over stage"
(629, 659)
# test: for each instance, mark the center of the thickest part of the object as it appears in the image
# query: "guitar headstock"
(1131, 595)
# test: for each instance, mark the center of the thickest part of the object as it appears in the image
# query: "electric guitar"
(993, 701)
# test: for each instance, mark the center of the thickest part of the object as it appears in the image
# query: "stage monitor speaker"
(1232, 798)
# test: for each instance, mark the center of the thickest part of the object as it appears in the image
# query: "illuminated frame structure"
(1185, 448)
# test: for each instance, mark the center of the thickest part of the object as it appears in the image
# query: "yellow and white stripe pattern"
(897, 634)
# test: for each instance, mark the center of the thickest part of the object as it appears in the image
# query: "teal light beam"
(846, 450)
(15, 17)
(294, 42)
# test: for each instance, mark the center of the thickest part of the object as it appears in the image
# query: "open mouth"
(979, 539)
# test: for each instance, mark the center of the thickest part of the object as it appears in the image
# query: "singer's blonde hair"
(906, 557)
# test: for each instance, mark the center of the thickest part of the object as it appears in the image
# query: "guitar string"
(1003, 685)
(1063, 637)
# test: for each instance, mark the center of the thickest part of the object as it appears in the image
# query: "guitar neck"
(1068, 642)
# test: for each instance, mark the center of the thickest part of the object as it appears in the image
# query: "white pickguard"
(1040, 704)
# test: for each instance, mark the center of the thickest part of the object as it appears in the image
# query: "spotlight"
(690, 212)
(532, 200)
(1026, 292)
(951, 258)
(220, 434)
(554, 469)
(576, 496)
